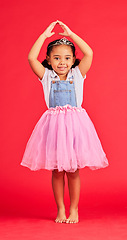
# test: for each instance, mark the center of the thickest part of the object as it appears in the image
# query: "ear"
(74, 58)
(48, 59)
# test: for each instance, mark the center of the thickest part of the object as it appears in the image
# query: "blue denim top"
(62, 92)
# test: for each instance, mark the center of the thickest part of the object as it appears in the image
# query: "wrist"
(43, 35)
(72, 35)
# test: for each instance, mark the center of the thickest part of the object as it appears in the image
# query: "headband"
(62, 41)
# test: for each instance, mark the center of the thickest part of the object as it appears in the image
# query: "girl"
(64, 139)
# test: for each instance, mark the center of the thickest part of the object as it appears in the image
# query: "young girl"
(64, 139)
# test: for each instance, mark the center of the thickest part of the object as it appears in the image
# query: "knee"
(73, 175)
(57, 174)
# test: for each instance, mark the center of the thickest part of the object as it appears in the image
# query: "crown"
(62, 41)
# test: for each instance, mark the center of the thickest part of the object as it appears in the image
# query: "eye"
(67, 58)
(57, 58)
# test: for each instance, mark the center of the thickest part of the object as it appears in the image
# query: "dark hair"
(49, 49)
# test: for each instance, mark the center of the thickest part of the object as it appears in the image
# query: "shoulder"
(76, 72)
(47, 74)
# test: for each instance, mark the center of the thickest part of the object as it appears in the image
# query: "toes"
(60, 220)
(71, 221)
(68, 221)
(64, 220)
(56, 220)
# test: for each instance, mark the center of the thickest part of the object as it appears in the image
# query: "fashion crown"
(62, 41)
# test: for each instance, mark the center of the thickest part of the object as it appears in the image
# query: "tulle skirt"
(64, 138)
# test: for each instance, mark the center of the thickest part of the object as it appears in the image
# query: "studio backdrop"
(102, 24)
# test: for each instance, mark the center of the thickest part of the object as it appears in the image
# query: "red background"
(102, 24)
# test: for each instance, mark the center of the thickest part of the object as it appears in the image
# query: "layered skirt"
(64, 138)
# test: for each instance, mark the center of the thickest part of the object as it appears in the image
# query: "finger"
(54, 22)
(63, 27)
(52, 25)
(51, 28)
(61, 34)
(60, 22)
(52, 33)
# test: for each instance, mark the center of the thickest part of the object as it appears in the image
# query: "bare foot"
(61, 216)
(73, 218)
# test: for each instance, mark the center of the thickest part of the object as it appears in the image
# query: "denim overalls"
(62, 92)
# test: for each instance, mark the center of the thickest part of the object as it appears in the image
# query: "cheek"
(72, 62)
(53, 63)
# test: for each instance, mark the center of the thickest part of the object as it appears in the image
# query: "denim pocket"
(62, 97)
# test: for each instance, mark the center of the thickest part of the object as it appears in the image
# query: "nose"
(62, 62)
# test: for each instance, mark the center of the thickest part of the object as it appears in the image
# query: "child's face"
(61, 59)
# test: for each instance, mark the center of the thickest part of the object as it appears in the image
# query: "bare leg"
(74, 192)
(58, 190)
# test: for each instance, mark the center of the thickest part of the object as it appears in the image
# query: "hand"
(48, 32)
(67, 32)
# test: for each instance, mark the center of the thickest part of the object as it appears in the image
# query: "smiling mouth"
(62, 68)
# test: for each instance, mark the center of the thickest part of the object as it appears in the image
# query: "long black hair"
(49, 49)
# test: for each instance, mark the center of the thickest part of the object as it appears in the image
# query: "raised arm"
(36, 66)
(86, 61)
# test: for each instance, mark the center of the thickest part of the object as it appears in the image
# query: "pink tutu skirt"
(64, 138)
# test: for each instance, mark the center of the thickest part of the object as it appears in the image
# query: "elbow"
(91, 52)
(30, 58)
